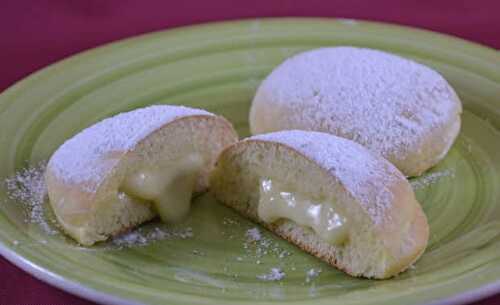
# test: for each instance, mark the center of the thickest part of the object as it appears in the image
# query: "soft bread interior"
(375, 251)
(91, 217)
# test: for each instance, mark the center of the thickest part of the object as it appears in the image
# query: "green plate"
(209, 260)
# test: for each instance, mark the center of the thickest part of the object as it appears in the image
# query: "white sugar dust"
(27, 186)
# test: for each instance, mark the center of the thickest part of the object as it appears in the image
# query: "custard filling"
(322, 217)
(169, 186)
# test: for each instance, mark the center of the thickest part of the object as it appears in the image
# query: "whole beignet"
(400, 109)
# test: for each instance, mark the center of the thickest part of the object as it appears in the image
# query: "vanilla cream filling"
(168, 186)
(322, 217)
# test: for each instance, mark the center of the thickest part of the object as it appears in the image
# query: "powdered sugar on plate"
(253, 234)
(257, 246)
(90, 155)
(142, 236)
(27, 186)
(275, 274)
(431, 178)
(311, 274)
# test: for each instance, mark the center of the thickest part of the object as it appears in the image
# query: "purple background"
(36, 33)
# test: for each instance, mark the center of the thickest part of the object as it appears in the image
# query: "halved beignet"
(329, 196)
(129, 168)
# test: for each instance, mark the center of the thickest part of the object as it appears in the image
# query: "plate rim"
(88, 293)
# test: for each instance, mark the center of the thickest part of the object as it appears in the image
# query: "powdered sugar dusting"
(88, 157)
(275, 274)
(253, 234)
(382, 101)
(256, 244)
(141, 236)
(364, 175)
(431, 178)
(312, 273)
(28, 187)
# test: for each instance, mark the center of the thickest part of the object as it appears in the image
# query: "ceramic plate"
(211, 259)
